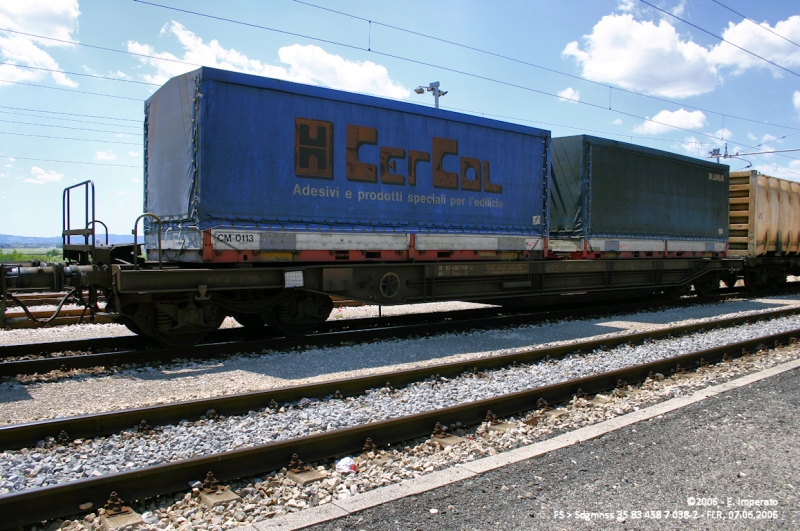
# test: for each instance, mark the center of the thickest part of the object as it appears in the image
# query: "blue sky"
(618, 69)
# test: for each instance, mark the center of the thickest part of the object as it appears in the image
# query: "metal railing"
(78, 251)
(136, 236)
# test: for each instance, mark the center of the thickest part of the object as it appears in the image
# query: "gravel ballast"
(275, 494)
(22, 336)
(40, 467)
(92, 392)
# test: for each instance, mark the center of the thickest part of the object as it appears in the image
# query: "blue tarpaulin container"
(232, 150)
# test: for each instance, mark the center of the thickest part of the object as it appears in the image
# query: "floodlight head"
(433, 88)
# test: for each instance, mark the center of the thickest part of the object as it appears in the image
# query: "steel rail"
(74, 345)
(35, 505)
(18, 319)
(226, 335)
(40, 299)
(93, 425)
(135, 349)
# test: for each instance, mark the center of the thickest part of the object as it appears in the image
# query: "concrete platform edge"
(337, 509)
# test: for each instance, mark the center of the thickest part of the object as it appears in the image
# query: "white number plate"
(235, 240)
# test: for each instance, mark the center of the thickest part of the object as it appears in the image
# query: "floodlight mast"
(434, 88)
(716, 154)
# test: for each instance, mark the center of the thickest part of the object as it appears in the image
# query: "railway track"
(89, 426)
(43, 299)
(64, 499)
(53, 298)
(109, 352)
(70, 316)
(19, 319)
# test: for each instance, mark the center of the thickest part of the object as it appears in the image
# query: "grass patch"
(52, 254)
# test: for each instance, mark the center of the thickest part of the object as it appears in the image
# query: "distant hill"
(9, 241)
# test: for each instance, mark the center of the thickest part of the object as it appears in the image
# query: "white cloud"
(765, 143)
(644, 56)
(105, 155)
(306, 64)
(662, 121)
(767, 138)
(678, 9)
(702, 148)
(134, 154)
(54, 18)
(136, 180)
(569, 94)
(41, 176)
(318, 66)
(791, 172)
(694, 147)
(654, 58)
(724, 134)
(626, 5)
(618, 121)
(796, 100)
(768, 45)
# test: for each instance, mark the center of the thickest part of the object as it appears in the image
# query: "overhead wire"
(530, 89)
(790, 170)
(100, 47)
(775, 139)
(610, 87)
(55, 70)
(71, 114)
(465, 46)
(67, 119)
(585, 130)
(403, 59)
(67, 127)
(69, 90)
(533, 65)
(423, 63)
(720, 38)
(81, 139)
(756, 23)
(11, 157)
(415, 61)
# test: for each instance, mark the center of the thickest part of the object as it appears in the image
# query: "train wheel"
(751, 281)
(249, 320)
(125, 320)
(730, 281)
(777, 281)
(704, 287)
(131, 325)
(181, 339)
(300, 315)
(677, 292)
(178, 324)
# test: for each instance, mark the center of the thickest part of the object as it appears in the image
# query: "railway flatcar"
(265, 198)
